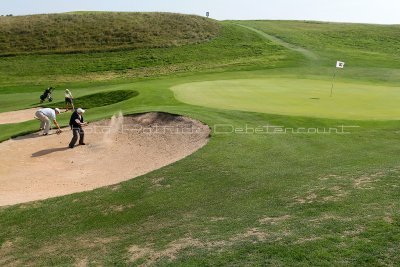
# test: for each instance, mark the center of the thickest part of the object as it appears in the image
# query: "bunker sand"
(35, 167)
(18, 116)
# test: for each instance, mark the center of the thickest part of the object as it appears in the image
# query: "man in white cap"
(46, 116)
(76, 122)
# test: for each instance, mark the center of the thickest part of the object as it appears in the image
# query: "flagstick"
(333, 80)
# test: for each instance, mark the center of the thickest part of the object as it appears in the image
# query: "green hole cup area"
(298, 97)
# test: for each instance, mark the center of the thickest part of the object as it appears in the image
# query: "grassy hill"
(99, 31)
(245, 199)
(360, 45)
(232, 47)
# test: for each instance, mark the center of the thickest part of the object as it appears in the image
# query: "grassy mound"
(234, 47)
(94, 31)
(99, 99)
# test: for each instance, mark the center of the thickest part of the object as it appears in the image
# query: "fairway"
(300, 97)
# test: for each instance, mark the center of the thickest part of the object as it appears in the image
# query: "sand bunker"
(35, 167)
(17, 116)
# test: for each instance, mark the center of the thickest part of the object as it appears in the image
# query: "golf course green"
(298, 97)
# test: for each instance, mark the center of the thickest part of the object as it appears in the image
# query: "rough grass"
(242, 200)
(99, 99)
(99, 31)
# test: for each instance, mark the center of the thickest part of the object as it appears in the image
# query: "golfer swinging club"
(46, 115)
(76, 122)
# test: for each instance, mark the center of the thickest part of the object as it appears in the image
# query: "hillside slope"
(89, 31)
(233, 47)
(360, 45)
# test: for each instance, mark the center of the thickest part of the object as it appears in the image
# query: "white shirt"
(68, 94)
(49, 113)
(79, 120)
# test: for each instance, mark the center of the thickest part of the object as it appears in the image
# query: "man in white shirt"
(69, 99)
(46, 115)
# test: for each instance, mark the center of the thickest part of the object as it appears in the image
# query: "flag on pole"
(339, 64)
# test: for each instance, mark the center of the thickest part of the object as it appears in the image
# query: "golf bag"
(46, 95)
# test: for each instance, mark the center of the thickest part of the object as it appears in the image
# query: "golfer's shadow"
(29, 136)
(48, 151)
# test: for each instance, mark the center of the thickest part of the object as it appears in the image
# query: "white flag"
(339, 64)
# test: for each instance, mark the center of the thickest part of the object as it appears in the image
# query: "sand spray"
(115, 126)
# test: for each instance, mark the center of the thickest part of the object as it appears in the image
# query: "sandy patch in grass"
(307, 239)
(6, 255)
(365, 182)
(149, 255)
(35, 167)
(117, 209)
(355, 232)
(254, 234)
(329, 217)
(160, 183)
(136, 252)
(274, 220)
(322, 194)
(82, 262)
(170, 252)
(217, 219)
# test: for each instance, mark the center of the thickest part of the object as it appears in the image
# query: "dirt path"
(307, 53)
(35, 167)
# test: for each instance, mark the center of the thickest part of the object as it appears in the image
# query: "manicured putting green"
(303, 97)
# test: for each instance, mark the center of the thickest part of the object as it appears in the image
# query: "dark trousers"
(75, 133)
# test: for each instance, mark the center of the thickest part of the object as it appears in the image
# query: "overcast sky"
(367, 11)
